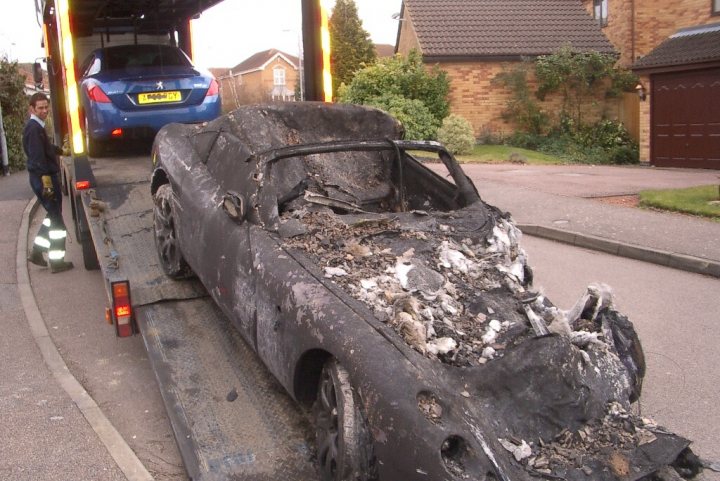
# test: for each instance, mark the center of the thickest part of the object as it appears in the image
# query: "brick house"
(270, 75)
(674, 46)
(474, 40)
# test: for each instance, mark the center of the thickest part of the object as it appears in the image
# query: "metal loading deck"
(232, 420)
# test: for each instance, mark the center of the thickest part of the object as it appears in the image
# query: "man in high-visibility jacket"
(44, 170)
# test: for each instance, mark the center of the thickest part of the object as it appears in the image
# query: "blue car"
(131, 91)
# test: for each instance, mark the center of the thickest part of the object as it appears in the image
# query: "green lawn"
(494, 154)
(693, 200)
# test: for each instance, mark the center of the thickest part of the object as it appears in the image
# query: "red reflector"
(82, 184)
(213, 89)
(95, 93)
(120, 289)
(116, 133)
(122, 309)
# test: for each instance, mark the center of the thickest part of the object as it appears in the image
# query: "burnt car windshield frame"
(466, 188)
(274, 155)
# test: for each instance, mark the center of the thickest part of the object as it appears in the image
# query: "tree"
(407, 79)
(352, 48)
(14, 110)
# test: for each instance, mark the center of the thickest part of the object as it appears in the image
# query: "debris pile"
(610, 439)
(451, 296)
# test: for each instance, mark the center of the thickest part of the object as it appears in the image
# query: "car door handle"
(234, 206)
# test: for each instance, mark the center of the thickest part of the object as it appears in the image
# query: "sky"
(224, 35)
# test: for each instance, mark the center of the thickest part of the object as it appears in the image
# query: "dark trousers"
(52, 234)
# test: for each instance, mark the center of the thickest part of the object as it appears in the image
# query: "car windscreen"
(143, 56)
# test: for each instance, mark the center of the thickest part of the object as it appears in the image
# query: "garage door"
(685, 125)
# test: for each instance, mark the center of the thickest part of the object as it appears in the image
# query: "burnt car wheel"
(171, 258)
(344, 443)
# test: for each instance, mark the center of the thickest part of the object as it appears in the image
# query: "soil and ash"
(611, 438)
(460, 298)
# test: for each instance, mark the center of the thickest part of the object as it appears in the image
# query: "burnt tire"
(344, 442)
(166, 241)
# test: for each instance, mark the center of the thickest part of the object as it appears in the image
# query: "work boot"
(60, 266)
(37, 258)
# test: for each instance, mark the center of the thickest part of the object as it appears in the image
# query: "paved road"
(591, 180)
(43, 435)
(557, 197)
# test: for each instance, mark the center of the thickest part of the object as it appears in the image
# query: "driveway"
(590, 180)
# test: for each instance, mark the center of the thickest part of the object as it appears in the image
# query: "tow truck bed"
(231, 418)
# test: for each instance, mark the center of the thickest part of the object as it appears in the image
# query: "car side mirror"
(234, 206)
(38, 75)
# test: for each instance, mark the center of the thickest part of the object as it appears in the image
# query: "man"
(44, 170)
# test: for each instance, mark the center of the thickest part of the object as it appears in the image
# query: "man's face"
(40, 109)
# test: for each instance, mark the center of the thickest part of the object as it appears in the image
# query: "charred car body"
(398, 306)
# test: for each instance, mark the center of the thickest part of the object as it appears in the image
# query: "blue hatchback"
(131, 91)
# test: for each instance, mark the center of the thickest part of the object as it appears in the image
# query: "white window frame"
(600, 11)
(278, 76)
(715, 7)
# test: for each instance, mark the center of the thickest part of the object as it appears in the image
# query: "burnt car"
(397, 306)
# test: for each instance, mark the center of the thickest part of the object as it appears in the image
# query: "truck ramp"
(232, 420)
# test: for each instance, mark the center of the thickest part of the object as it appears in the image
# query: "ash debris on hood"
(618, 445)
(454, 288)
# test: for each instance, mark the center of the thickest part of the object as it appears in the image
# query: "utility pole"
(3, 147)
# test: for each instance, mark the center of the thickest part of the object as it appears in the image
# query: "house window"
(715, 7)
(600, 11)
(279, 76)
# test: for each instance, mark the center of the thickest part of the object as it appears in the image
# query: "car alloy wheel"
(171, 258)
(344, 444)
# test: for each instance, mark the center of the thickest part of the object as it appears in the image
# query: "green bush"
(526, 140)
(625, 154)
(413, 114)
(405, 77)
(14, 111)
(604, 142)
(457, 134)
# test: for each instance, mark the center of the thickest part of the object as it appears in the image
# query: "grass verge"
(495, 154)
(693, 200)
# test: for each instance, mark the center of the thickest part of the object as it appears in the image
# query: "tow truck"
(230, 418)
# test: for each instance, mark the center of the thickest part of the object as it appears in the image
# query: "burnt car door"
(216, 243)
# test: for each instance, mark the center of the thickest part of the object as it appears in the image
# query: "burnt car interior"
(385, 178)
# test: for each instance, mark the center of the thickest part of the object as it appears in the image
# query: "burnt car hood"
(526, 404)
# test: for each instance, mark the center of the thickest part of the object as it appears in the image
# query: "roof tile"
(687, 46)
(494, 28)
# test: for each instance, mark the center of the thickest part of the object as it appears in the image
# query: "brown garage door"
(685, 126)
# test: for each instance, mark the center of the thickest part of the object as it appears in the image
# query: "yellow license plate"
(159, 97)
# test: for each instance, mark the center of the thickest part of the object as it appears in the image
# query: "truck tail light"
(96, 94)
(116, 133)
(213, 89)
(122, 312)
(82, 184)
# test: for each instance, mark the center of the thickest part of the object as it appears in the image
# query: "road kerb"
(697, 265)
(119, 450)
